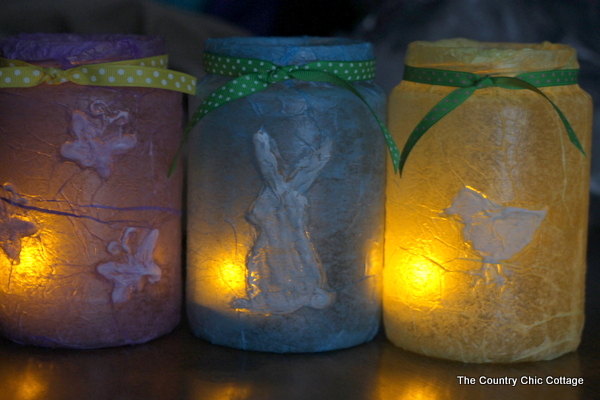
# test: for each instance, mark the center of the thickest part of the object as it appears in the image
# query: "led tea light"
(89, 221)
(286, 180)
(486, 229)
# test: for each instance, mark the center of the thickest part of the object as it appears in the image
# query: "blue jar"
(286, 203)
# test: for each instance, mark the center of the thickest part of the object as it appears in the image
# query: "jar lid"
(485, 58)
(67, 50)
(292, 50)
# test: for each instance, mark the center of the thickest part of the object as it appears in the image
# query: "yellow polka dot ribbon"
(253, 75)
(149, 72)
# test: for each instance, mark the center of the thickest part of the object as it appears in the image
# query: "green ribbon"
(252, 76)
(468, 83)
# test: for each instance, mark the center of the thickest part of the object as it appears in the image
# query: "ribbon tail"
(186, 132)
(515, 83)
(224, 94)
(322, 76)
(572, 136)
(440, 110)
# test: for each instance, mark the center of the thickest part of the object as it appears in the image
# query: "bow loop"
(484, 82)
(468, 83)
(251, 75)
(55, 76)
(278, 74)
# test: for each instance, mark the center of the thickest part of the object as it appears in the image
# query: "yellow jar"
(486, 229)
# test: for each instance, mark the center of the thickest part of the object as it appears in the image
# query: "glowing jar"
(90, 231)
(286, 196)
(486, 229)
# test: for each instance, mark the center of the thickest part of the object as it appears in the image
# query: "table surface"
(180, 366)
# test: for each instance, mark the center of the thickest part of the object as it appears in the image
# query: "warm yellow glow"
(204, 389)
(30, 387)
(216, 281)
(32, 270)
(420, 279)
(485, 229)
(233, 276)
(418, 390)
(406, 378)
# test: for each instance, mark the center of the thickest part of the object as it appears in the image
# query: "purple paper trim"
(66, 50)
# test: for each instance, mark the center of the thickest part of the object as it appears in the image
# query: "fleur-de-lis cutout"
(13, 227)
(99, 138)
(134, 259)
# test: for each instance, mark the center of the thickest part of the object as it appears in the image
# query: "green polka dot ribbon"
(144, 72)
(252, 75)
(468, 83)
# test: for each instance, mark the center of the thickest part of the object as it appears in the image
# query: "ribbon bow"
(143, 72)
(253, 75)
(468, 83)
(51, 76)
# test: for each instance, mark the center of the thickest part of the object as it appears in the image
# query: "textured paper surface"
(285, 221)
(442, 295)
(90, 238)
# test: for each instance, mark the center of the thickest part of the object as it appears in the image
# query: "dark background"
(162, 368)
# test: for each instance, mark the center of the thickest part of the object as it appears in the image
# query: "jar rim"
(491, 57)
(66, 50)
(287, 40)
(292, 50)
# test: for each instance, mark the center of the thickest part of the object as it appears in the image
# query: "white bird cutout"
(495, 232)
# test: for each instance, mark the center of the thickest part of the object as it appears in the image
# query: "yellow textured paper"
(507, 151)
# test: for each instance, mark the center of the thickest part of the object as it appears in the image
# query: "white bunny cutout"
(284, 272)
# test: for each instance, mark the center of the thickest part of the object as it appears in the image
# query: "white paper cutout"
(495, 232)
(284, 270)
(14, 225)
(134, 259)
(99, 138)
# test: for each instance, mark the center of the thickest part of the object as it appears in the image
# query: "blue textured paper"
(342, 223)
